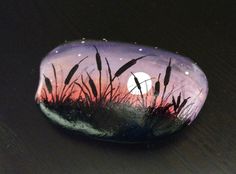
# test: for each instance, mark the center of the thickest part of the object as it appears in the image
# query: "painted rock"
(120, 92)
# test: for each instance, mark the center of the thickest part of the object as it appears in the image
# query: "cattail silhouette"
(126, 66)
(136, 81)
(98, 59)
(92, 86)
(72, 71)
(49, 86)
(167, 75)
(139, 87)
(99, 67)
(126, 95)
(166, 80)
(157, 89)
(70, 74)
(157, 86)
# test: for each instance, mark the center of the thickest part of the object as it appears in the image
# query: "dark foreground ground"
(203, 30)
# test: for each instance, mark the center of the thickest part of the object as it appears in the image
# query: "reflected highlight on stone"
(120, 92)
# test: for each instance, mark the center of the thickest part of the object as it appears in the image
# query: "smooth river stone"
(120, 92)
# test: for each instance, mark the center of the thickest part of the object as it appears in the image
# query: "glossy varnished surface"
(202, 30)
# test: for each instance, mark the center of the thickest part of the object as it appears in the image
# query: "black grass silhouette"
(110, 78)
(95, 104)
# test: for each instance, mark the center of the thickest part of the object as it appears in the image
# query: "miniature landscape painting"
(120, 92)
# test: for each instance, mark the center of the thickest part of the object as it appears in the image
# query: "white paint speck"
(104, 39)
(186, 73)
(82, 41)
(140, 49)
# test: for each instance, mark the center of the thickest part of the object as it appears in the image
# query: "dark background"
(202, 30)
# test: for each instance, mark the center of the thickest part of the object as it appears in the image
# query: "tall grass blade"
(69, 86)
(110, 78)
(55, 77)
(88, 100)
(174, 103)
(70, 94)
